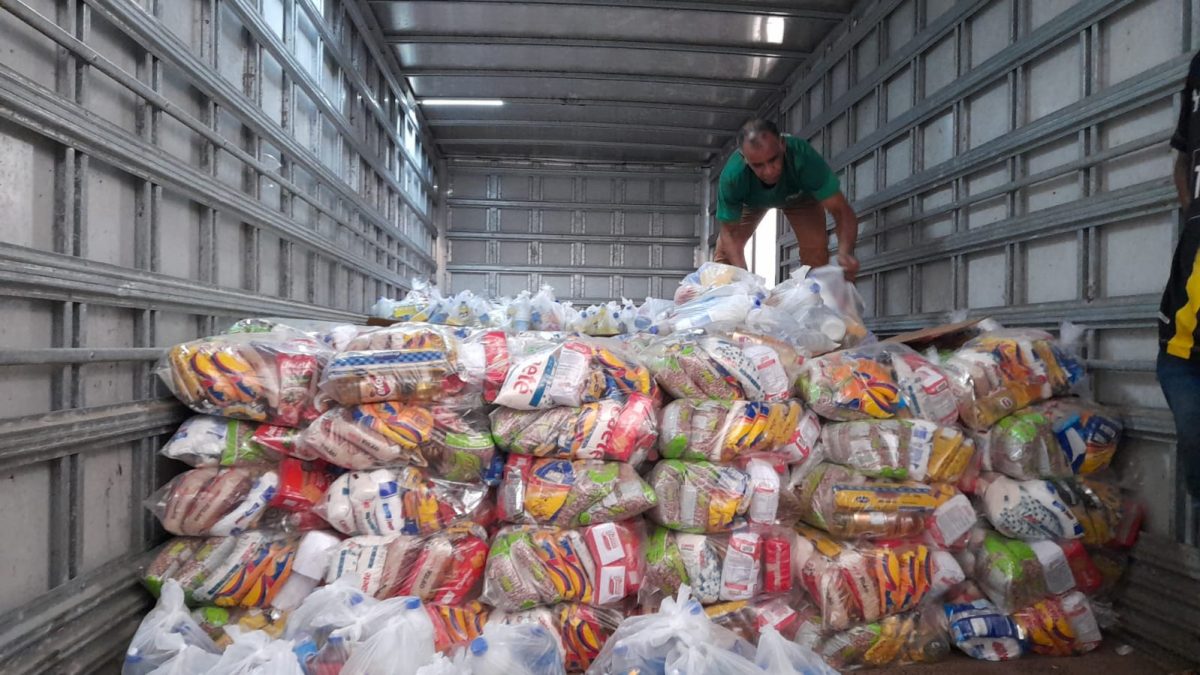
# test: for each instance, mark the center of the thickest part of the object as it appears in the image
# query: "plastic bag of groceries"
(404, 501)
(679, 638)
(611, 429)
(214, 501)
(725, 431)
(449, 439)
(1060, 625)
(547, 371)
(822, 300)
(727, 305)
(204, 440)
(749, 618)
(1023, 446)
(899, 449)
(1031, 510)
(409, 362)
(514, 649)
(983, 632)
(998, 373)
(853, 583)
(918, 636)
(530, 566)
(1100, 509)
(262, 377)
(442, 568)
(249, 570)
(580, 630)
(950, 524)
(1010, 572)
(809, 333)
(741, 565)
(880, 380)
(847, 503)
(167, 633)
(221, 622)
(256, 653)
(1087, 432)
(570, 493)
(712, 276)
(699, 497)
(416, 305)
(777, 654)
(651, 313)
(698, 365)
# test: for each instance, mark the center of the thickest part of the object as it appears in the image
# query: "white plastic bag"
(329, 608)
(442, 665)
(776, 654)
(166, 632)
(190, 661)
(256, 653)
(401, 640)
(515, 649)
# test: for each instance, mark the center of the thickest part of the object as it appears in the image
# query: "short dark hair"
(754, 128)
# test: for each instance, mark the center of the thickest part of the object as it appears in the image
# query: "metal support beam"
(546, 205)
(573, 101)
(565, 124)
(401, 39)
(758, 7)
(484, 140)
(647, 78)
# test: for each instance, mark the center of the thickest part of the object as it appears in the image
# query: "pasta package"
(266, 377)
(622, 431)
(569, 493)
(725, 431)
(913, 637)
(1086, 432)
(1060, 625)
(899, 449)
(246, 570)
(407, 501)
(878, 381)
(443, 568)
(533, 566)
(452, 442)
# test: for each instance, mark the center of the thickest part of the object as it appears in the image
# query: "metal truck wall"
(1009, 158)
(166, 168)
(593, 232)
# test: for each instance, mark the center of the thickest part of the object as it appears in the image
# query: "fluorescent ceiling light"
(775, 30)
(492, 102)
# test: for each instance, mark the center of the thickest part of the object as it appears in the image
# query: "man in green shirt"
(777, 171)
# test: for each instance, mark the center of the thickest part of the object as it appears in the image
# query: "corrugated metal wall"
(167, 168)
(593, 232)
(1009, 157)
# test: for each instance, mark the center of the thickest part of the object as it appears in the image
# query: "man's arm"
(847, 232)
(1183, 180)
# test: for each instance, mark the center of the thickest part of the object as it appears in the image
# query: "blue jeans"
(1180, 381)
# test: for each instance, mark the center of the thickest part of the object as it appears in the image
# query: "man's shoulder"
(734, 169)
(797, 144)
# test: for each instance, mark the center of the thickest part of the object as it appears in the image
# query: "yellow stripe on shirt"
(1185, 319)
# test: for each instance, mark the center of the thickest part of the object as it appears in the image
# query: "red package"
(456, 624)
(302, 484)
(1132, 514)
(1088, 577)
(614, 549)
(777, 565)
(280, 439)
(466, 568)
(631, 430)
(495, 349)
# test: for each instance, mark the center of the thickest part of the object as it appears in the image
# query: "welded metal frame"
(405, 38)
(368, 229)
(757, 7)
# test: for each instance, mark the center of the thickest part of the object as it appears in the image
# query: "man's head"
(763, 149)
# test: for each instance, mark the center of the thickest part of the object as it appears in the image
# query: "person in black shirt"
(1179, 351)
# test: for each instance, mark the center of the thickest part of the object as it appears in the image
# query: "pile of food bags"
(741, 479)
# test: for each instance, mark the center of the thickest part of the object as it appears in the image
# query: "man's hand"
(848, 262)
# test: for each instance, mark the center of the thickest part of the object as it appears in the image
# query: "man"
(1179, 351)
(774, 171)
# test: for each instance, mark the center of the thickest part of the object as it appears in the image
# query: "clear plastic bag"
(651, 313)
(248, 570)
(443, 568)
(582, 630)
(723, 306)
(546, 373)
(596, 565)
(1060, 625)
(950, 524)
(679, 638)
(848, 504)
(204, 440)
(699, 497)
(166, 632)
(1023, 446)
(983, 632)
(711, 276)
(514, 649)
(842, 297)
(725, 431)
(776, 654)
(998, 373)
(405, 501)
(899, 449)
(217, 620)
(695, 365)
(1030, 510)
(452, 442)
(189, 661)
(857, 583)
(879, 381)
(739, 566)
(402, 643)
(1100, 510)
(569, 493)
(1007, 571)
(912, 637)
(417, 305)
(748, 618)
(256, 653)
(1087, 432)
(546, 313)
(611, 429)
(214, 501)
(262, 377)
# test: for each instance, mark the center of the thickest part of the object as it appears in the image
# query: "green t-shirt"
(804, 172)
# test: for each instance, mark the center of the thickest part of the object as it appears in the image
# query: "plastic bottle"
(528, 650)
(331, 658)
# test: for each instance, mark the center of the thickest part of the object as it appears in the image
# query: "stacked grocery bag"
(735, 480)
